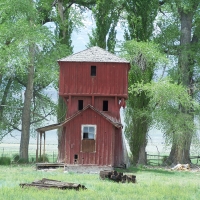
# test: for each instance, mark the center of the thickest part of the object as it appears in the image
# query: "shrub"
(16, 159)
(43, 158)
(166, 161)
(5, 161)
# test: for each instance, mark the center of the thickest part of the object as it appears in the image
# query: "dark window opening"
(88, 132)
(80, 104)
(93, 70)
(85, 135)
(105, 105)
(75, 159)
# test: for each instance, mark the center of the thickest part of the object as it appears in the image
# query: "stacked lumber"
(181, 167)
(117, 176)
(49, 183)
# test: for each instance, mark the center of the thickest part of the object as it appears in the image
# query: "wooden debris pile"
(181, 167)
(48, 183)
(117, 176)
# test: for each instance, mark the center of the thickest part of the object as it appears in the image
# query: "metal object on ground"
(48, 183)
(49, 165)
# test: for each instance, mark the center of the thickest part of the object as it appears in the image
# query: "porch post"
(40, 144)
(44, 146)
(37, 147)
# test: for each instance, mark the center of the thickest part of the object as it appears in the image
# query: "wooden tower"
(94, 85)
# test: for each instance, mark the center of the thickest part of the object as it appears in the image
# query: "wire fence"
(161, 159)
(52, 156)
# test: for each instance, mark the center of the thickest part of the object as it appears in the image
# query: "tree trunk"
(142, 155)
(26, 112)
(180, 154)
(139, 141)
(180, 151)
(65, 31)
(4, 97)
(61, 115)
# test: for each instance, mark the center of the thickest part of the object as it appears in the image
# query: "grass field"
(151, 184)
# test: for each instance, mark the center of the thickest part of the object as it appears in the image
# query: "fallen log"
(117, 176)
(49, 183)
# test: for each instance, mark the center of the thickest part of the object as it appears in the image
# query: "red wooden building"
(94, 85)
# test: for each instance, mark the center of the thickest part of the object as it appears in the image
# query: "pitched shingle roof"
(94, 54)
(109, 118)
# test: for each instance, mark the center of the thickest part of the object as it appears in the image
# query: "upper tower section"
(93, 71)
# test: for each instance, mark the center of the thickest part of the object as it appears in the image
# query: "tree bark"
(142, 155)
(26, 112)
(180, 151)
(4, 97)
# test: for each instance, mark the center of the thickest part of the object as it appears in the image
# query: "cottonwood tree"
(140, 17)
(106, 14)
(66, 15)
(143, 57)
(182, 45)
(164, 105)
(25, 46)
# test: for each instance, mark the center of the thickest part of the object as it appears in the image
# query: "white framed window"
(88, 132)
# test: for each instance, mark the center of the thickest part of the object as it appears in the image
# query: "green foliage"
(164, 106)
(5, 161)
(43, 158)
(140, 17)
(18, 160)
(106, 14)
(144, 57)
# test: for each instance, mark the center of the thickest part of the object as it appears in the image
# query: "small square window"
(93, 70)
(105, 105)
(88, 132)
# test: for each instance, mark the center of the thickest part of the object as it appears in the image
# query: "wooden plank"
(49, 183)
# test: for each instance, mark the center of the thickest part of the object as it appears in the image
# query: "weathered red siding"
(113, 107)
(110, 79)
(110, 84)
(106, 141)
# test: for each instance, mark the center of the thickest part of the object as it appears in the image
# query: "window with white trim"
(89, 132)
(88, 138)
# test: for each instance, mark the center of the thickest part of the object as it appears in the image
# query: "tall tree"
(67, 18)
(144, 57)
(183, 48)
(106, 14)
(140, 19)
(25, 45)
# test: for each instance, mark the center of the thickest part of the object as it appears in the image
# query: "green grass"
(151, 184)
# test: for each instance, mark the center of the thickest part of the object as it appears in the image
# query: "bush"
(166, 161)
(16, 159)
(43, 158)
(5, 161)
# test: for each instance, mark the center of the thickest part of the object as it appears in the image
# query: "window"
(80, 104)
(105, 105)
(89, 132)
(93, 70)
(88, 135)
